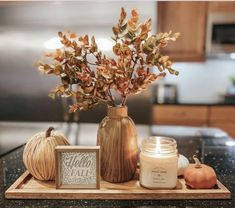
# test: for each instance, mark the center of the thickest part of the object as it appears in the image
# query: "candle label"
(159, 175)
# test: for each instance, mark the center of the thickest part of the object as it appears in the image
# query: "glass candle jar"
(158, 163)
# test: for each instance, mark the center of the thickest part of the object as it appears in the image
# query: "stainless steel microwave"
(220, 36)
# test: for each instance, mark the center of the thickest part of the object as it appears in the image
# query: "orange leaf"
(86, 40)
(60, 34)
(135, 15)
(123, 14)
(73, 35)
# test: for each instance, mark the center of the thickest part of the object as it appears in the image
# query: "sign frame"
(76, 149)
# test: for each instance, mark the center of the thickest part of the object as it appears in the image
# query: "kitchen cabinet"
(219, 116)
(220, 6)
(188, 18)
(223, 117)
(179, 115)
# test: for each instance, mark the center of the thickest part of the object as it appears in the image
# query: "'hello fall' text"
(78, 164)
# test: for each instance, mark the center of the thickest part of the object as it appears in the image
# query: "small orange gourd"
(200, 176)
(39, 156)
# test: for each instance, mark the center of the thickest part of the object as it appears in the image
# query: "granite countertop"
(217, 152)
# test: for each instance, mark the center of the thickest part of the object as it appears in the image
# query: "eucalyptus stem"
(133, 69)
(124, 98)
(111, 98)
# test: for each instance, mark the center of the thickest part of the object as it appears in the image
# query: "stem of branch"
(133, 69)
(91, 63)
(96, 58)
(101, 99)
(124, 98)
(111, 98)
(85, 59)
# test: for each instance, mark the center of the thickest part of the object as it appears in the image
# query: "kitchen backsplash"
(203, 82)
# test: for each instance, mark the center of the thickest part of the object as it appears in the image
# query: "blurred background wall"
(26, 29)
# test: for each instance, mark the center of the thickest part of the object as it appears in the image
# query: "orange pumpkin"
(200, 176)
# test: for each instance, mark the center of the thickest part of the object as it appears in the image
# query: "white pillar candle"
(158, 163)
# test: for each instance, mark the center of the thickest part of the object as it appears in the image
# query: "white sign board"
(77, 167)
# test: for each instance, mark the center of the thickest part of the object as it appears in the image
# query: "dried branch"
(136, 53)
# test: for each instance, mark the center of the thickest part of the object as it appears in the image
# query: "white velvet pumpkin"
(39, 155)
(183, 163)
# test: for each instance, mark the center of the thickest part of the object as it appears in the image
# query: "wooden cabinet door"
(224, 114)
(188, 18)
(179, 115)
(223, 117)
(220, 6)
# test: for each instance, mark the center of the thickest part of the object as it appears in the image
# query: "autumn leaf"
(135, 15)
(72, 35)
(86, 40)
(122, 16)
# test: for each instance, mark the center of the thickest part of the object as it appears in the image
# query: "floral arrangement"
(91, 77)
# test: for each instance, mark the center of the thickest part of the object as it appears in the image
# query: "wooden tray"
(26, 187)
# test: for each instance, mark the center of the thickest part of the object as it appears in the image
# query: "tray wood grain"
(26, 187)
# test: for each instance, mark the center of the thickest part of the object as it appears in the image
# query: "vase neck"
(117, 112)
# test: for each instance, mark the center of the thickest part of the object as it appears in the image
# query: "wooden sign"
(77, 167)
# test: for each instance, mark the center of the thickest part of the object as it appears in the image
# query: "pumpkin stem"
(197, 162)
(48, 132)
